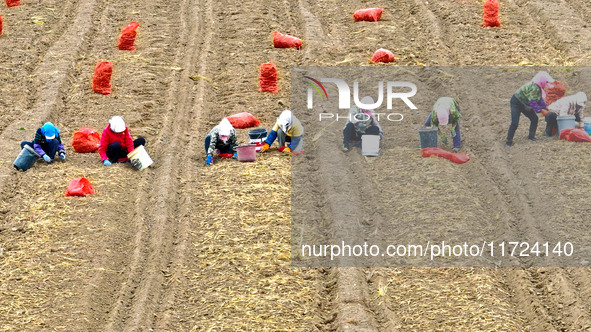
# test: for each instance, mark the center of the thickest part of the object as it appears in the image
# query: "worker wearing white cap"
(221, 139)
(569, 105)
(289, 132)
(47, 143)
(446, 115)
(361, 121)
(116, 142)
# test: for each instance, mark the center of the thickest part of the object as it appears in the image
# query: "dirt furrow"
(29, 32)
(51, 74)
(160, 253)
(539, 292)
(568, 29)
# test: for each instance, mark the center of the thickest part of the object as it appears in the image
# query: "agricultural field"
(182, 246)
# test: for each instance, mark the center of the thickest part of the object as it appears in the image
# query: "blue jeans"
(517, 108)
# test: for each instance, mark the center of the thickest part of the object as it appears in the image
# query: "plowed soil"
(186, 247)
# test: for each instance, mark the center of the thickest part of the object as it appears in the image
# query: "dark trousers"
(517, 108)
(551, 122)
(50, 148)
(352, 136)
(116, 151)
(224, 148)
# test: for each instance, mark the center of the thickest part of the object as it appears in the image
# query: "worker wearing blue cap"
(47, 143)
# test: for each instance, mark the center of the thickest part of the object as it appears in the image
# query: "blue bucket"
(428, 136)
(565, 122)
(587, 122)
(26, 159)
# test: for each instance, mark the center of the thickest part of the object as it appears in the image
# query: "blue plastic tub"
(26, 159)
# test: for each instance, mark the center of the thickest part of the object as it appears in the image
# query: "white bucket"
(142, 156)
(370, 145)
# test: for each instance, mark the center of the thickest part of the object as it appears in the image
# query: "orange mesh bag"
(382, 55)
(459, 158)
(101, 81)
(368, 14)
(286, 41)
(12, 3)
(554, 93)
(243, 120)
(491, 14)
(575, 135)
(79, 187)
(86, 140)
(268, 78)
(127, 38)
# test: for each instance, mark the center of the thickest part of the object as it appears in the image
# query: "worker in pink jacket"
(116, 142)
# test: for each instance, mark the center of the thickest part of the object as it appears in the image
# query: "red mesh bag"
(127, 38)
(368, 14)
(243, 120)
(268, 78)
(491, 14)
(575, 135)
(286, 41)
(86, 140)
(554, 93)
(382, 55)
(101, 81)
(12, 3)
(0, 25)
(459, 158)
(79, 187)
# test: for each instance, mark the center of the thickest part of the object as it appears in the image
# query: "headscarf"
(117, 124)
(284, 120)
(543, 80)
(580, 98)
(49, 131)
(441, 109)
(225, 128)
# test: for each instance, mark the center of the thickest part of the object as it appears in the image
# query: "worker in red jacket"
(116, 142)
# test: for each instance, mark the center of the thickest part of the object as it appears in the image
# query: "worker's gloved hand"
(282, 148)
(235, 155)
(453, 133)
(46, 158)
(106, 162)
(443, 139)
(265, 147)
(63, 156)
(455, 149)
(209, 160)
(286, 150)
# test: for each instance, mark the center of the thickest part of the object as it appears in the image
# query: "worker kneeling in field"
(360, 122)
(116, 142)
(446, 114)
(569, 105)
(289, 134)
(47, 143)
(221, 139)
(529, 100)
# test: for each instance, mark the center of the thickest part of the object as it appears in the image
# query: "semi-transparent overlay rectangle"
(525, 205)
